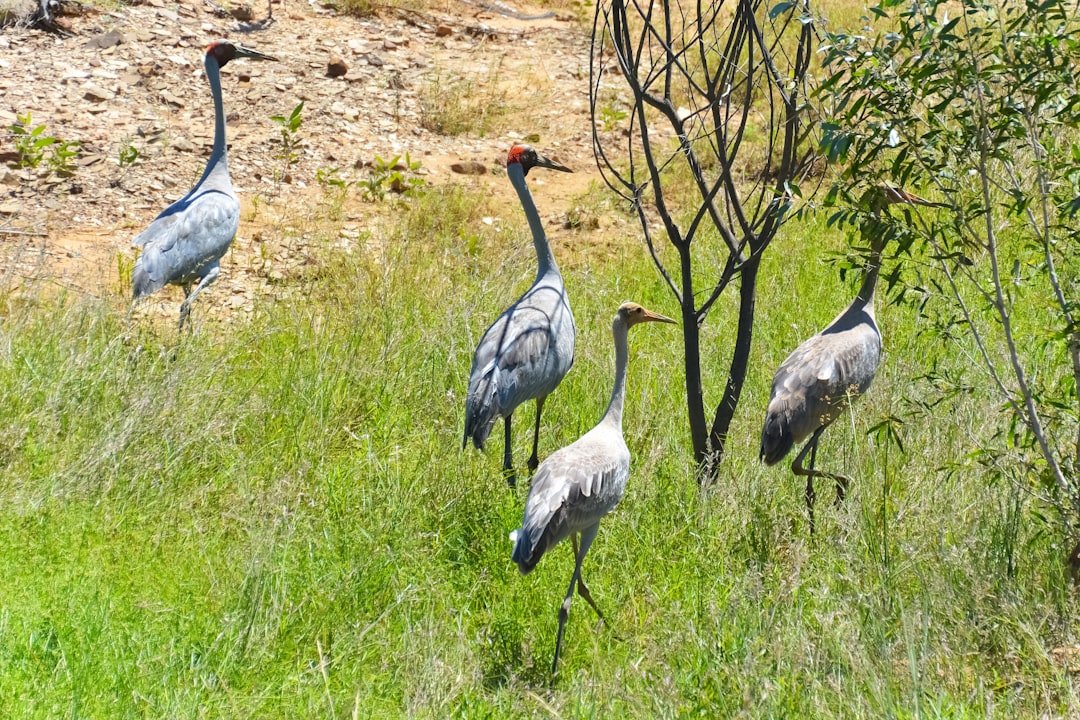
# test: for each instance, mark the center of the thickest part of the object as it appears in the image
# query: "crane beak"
(246, 52)
(550, 164)
(651, 316)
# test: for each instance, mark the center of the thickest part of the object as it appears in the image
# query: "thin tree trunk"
(740, 363)
(695, 402)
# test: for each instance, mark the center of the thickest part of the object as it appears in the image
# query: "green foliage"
(275, 518)
(397, 175)
(289, 152)
(978, 104)
(35, 147)
(454, 104)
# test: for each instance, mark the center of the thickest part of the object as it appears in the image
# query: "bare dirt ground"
(132, 77)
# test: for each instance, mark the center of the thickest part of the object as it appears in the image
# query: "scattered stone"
(243, 12)
(96, 94)
(336, 67)
(444, 30)
(105, 40)
(374, 60)
(471, 167)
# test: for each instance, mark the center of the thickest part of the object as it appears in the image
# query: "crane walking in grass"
(821, 378)
(830, 370)
(184, 244)
(526, 353)
(581, 483)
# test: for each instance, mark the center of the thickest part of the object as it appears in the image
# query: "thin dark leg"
(810, 473)
(534, 461)
(508, 460)
(582, 589)
(587, 537)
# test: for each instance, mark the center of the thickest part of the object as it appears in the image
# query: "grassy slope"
(277, 520)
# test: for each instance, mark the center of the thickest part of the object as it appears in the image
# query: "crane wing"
(572, 490)
(188, 236)
(822, 375)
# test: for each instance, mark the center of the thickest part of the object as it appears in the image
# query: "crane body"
(185, 243)
(576, 486)
(819, 380)
(528, 350)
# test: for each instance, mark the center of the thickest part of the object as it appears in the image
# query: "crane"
(525, 354)
(184, 244)
(581, 483)
(830, 370)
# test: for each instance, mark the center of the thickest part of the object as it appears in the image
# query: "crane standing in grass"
(184, 244)
(821, 378)
(830, 370)
(526, 353)
(581, 483)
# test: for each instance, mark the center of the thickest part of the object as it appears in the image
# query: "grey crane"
(817, 381)
(184, 244)
(578, 485)
(525, 354)
(830, 370)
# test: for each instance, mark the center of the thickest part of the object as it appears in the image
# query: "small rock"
(182, 144)
(443, 30)
(93, 93)
(472, 167)
(105, 40)
(374, 60)
(336, 67)
(243, 12)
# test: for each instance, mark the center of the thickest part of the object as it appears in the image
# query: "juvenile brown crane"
(525, 354)
(184, 244)
(581, 483)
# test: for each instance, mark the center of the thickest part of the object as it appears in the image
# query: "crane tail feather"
(776, 440)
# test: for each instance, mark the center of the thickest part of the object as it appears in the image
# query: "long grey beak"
(246, 52)
(550, 164)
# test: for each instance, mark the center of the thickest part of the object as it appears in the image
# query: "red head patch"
(519, 154)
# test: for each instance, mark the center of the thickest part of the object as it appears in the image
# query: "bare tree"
(708, 154)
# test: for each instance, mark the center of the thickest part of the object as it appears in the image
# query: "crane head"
(528, 158)
(223, 51)
(631, 313)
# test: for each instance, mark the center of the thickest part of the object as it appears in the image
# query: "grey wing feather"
(523, 355)
(185, 240)
(821, 376)
(572, 490)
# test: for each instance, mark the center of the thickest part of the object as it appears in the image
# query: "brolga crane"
(526, 353)
(830, 370)
(184, 244)
(581, 483)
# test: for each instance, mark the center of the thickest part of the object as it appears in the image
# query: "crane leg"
(534, 461)
(810, 473)
(587, 536)
(842, 481)
(508, 460)
(207, 279)
(582, 588)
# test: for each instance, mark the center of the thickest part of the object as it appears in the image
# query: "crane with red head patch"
(184, 244)
(525, 354)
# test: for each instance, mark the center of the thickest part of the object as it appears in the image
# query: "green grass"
(275, 519)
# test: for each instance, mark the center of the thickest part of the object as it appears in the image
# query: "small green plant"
(392, 175)
(611, 116)
(30, 142)
(62, 157)
(124, 267)
(289, 153)
(328, 177)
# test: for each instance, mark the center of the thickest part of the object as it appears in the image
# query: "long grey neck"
(545, 259)
(217, 165)
(869, 283)
(613, 414)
